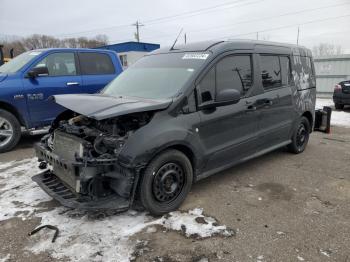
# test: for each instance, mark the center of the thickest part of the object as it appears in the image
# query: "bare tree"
(37, 41)
(16, 45)
(324, 49)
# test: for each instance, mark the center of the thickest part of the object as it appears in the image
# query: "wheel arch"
(65, 115)
(10, 108)
(185, 149)
(309, 117)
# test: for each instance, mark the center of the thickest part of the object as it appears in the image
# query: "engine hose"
(98, 146)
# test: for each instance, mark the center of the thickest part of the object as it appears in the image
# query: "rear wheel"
(10, 131)
(166, 182)
(300, 136)
(339, 106)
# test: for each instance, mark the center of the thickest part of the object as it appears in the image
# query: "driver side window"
(231, 72)
(59, 64)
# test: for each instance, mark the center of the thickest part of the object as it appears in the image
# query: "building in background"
(330, 70)
(130, 52)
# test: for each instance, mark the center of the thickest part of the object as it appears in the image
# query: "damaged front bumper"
(92, 184)
(55, 188)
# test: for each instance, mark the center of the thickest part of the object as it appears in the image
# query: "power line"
(258, 19)
(282, 27)
(199, 12)
(160, 19)
(93, 30)
(255, 32)
(269, 17)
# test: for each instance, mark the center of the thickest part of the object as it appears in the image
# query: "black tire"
(11, 122)
(339, 106)
(156, 193)
(300, 136)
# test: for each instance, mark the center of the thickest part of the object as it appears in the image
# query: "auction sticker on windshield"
(195, 56)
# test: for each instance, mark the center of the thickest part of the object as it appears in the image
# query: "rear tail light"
(337, 87)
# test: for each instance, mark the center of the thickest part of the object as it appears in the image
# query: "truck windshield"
(156, 76)
(18, 62)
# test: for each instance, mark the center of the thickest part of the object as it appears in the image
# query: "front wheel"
(10, 131)
(300, 136)
(166, 182)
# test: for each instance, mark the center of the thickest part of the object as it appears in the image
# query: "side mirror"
(38, 71)
(228, 96)
(223, 98)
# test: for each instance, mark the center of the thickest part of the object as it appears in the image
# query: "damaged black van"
(174, 117)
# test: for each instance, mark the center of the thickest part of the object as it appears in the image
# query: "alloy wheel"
(6, 131)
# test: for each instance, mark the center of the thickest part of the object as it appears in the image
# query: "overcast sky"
(200, 19)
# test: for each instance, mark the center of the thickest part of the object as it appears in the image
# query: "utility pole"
(298, 37)
(185, 39)
(137, 34)
(257, 35)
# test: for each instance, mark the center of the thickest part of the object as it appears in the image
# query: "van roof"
(216, 46)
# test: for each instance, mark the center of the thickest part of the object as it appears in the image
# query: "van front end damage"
(85, 171)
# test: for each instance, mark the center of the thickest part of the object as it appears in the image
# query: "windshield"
(18, 62)
(156, 76)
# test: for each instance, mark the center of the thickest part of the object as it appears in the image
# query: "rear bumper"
(343, 99)
(55, 188)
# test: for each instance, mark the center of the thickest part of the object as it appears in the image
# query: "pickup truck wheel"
(300, 136)
(166, 182)
(339, 106)
(10, 131)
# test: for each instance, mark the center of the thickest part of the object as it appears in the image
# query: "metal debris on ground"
(44, 226)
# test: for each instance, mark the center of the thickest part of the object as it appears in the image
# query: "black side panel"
(304, 93)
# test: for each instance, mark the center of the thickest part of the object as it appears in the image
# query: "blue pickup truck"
(27, 81)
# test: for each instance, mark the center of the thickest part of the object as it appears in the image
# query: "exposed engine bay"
(83, 153)
(105, 138)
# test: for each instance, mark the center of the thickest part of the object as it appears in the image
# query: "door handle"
(268, 102)
(72, 83)
(251, 108)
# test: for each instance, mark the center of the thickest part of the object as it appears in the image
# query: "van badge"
(39, 96)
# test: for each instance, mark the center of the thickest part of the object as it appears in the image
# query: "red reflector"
(337, 87)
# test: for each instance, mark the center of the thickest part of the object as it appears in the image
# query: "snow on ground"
(5, 258)
(195, 224)
(339, 117)
(84, 237)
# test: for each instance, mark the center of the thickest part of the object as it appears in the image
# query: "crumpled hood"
(2, 76)
(101, 107)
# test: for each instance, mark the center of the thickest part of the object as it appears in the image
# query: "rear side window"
(270, 72)
(95, 64)
(286, 72)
